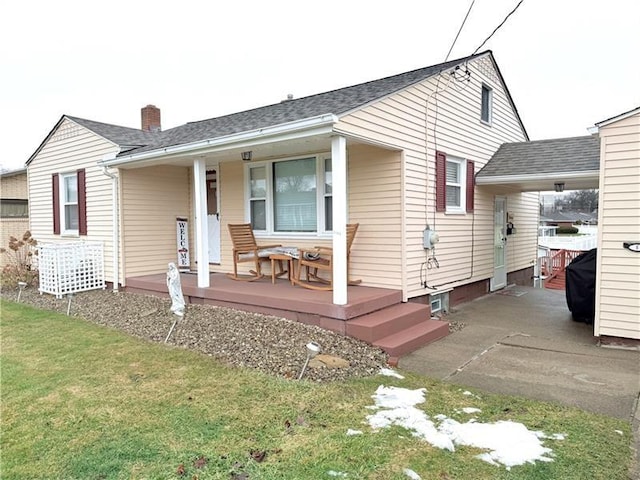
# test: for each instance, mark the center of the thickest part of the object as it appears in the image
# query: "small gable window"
(69, 203)
(486, 104)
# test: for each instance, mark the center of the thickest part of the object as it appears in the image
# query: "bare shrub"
(20, 266)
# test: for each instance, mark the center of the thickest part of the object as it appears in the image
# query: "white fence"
(587, 240)
(67, 268)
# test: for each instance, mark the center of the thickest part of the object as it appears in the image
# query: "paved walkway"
(523, 342)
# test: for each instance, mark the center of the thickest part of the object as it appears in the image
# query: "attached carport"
(544, 165)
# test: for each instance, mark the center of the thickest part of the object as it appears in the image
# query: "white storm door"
(213, 216)
(499, 279)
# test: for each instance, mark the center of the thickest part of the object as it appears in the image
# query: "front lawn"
(80, 401)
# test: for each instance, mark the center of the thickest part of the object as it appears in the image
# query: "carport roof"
(537, 165)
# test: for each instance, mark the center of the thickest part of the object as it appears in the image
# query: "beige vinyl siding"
(399, 121)
(72, 147)
(152, 199)
(618, 279)
(375, 202)
(522, 247)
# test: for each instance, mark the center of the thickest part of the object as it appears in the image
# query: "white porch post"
(339, 174)
(202, 240)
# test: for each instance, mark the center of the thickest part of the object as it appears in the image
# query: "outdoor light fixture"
(21, 286)
(246, 156)
(559, 186)
(313, 349)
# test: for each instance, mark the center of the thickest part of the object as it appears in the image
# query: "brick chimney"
(150, 118)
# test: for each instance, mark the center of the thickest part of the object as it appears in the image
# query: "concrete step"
(413, 338)
(387, 321)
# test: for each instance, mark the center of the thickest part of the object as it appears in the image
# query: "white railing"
(67, 268)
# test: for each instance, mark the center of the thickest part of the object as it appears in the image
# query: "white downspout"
(115, 242)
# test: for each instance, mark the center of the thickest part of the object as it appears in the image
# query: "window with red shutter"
(69, 203)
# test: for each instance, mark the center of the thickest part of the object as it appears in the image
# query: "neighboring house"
(618, 267)
(397, 155)
(14, 206)
(568, 218)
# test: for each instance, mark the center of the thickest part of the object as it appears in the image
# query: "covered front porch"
(374, 315)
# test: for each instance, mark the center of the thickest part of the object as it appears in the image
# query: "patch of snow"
(470, 394)
(390, 373)
(333, 473)
(411, 474)
(354, 432)
(470, 410)
(397, 408)
(508, 443)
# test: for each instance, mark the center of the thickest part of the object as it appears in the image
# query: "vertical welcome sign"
(182, 232)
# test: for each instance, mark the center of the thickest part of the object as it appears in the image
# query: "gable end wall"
(399, 121)
(70, 148)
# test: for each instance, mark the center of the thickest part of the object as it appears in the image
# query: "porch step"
(387, 321)
(556, 283)
(413, 338)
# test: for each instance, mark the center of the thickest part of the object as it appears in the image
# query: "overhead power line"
(460, 29)
(496, 29)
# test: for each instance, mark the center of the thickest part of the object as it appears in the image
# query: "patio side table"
(280, 257)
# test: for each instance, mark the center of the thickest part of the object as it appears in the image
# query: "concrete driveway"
(522, 341)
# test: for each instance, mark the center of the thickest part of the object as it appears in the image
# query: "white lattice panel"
(71, 267)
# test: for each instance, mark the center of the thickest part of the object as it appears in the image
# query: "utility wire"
(460, 30)
(496, 29)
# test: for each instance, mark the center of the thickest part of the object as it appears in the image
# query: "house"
(14, 206)
(618, 261)
(397, 155)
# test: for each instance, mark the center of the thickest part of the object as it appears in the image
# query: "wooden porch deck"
(375, 315)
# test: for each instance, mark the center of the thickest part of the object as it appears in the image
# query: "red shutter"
(82, 202)
(471, 182)
(55, 192)
(441, 182)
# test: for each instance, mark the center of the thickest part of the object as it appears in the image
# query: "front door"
(213, 216)
(499, 279)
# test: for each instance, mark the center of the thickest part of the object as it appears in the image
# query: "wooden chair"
(320, 259)
(245, 250)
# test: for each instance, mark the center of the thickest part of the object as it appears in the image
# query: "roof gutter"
(305, 127)
(504, 179)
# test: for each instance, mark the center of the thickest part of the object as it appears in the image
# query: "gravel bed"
(270, 344)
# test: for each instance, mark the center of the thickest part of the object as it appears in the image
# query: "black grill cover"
(581, 287)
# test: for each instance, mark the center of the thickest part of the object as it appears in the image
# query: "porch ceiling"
(543, 182)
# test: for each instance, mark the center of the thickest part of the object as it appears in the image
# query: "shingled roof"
(123, 136)
(574, 154)
(334, 102)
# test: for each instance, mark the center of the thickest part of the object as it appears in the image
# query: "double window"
(291, 196)
(69, 203)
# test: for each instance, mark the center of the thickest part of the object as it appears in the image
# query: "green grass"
(84, 402)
